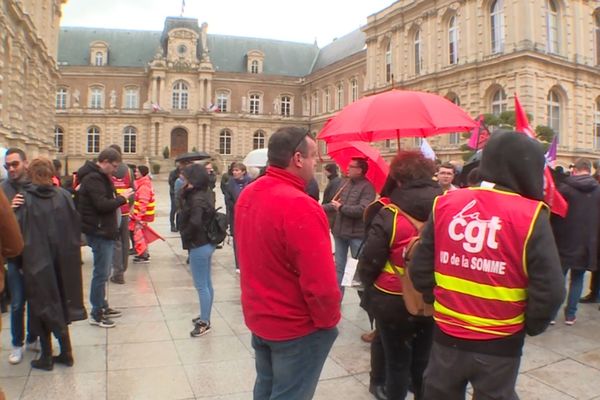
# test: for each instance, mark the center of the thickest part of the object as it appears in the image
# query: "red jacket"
(288, 279)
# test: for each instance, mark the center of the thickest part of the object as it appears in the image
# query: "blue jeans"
(575, 289)
(16, 286)
(341, 255)
(103, 250)
(290, 369)
(200, 259)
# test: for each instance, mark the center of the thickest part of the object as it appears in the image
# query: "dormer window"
(99, 53)
(255, 61)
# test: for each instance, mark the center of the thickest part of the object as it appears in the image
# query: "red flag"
(558, 205)
(479, 135)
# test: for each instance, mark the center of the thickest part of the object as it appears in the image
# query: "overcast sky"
(299, 21)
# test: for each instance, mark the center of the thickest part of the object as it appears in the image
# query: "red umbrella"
(395, 114)
(343, 152)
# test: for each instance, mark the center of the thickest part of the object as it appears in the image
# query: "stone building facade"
(28, 73)
(183, 88)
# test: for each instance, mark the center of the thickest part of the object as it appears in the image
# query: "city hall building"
(183, 88)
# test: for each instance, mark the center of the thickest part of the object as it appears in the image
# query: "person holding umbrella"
(349, 205)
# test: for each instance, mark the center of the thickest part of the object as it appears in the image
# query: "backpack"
(413, 300)
(216, 228)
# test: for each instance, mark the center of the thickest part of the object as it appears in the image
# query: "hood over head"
(516, 162)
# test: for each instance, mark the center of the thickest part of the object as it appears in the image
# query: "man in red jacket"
(290, 296)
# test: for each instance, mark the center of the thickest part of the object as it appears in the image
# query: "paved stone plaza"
(150, 355)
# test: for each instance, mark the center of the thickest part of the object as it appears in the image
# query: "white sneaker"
(16, 355)
(33, 346)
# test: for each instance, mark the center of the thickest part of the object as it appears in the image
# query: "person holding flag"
(142, 212)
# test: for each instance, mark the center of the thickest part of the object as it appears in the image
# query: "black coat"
(232, 191)
(577, 234)
(97, 202)
(196, 208)
(51, 258)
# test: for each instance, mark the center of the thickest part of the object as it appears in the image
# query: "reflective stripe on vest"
(480, 266)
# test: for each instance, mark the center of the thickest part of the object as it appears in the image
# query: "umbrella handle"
(339, 192)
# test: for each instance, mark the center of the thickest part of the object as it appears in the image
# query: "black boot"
(45, 361)
(66, 353)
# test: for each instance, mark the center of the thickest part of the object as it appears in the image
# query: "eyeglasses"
(14, 164)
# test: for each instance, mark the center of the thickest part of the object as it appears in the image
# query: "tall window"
(597, 125)
(552, 26)
(96, 100)
(454, 138)
(258, 140)
(339, 98)
(388, 62)
(453, 40)
(499, 102)
(254, 103)
(315, 102)
(129, 140)
(99, 59)
(222, 101)
(326, 100)
(554, 112)
(59, 136)
(497, 26)
(597, 32)
(354, 90)
(93, 140)
(61, 99)
(131, 98)
(417, 52)
(180, 95)
(254, 67)
(286, 106)
(225, 142)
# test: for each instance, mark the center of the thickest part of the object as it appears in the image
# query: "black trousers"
(450, 370)
(173, 209)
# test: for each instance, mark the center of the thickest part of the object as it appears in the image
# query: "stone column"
(153, 93)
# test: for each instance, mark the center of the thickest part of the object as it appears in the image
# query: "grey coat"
(355, 197)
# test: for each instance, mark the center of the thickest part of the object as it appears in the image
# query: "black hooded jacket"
(97, 202)
(577, 234)
(51, 257)
(196, 208)
(514, 163)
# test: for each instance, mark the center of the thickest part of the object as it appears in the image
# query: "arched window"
(597, 125)
(254, 67)
(286, 106)
(59, 136)
(388, 62)
(96, 97)
(417, 52)
(223, 101)
(453, 40)
(552, 21)
(499, 102)
(497, 26)
(99, 59)
(339, 98)
(93, 140)
(597, 34)
(61, 99)
(131, 98)
(255, 104)
(180, 96)
(129, 140)
(354, 90)
(554, 112)
(225, 142)
(258, 140)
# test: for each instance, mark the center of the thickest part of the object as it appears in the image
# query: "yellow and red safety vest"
(144, 204)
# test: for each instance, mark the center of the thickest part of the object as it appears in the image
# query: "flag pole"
(182, 7)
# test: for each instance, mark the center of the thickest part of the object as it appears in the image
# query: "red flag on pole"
(558, 205)
(479, 135)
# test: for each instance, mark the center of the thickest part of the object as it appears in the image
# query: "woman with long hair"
(406, 339)
(51, 263)
(196, 211)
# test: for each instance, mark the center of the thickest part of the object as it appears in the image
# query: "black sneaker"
(101, 321)
(112, 313)
(201, 328)
(141, 260)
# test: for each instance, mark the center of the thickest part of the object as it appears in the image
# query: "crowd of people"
(486, 262)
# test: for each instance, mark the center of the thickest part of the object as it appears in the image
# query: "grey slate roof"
(130, 48)
(339, 49)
